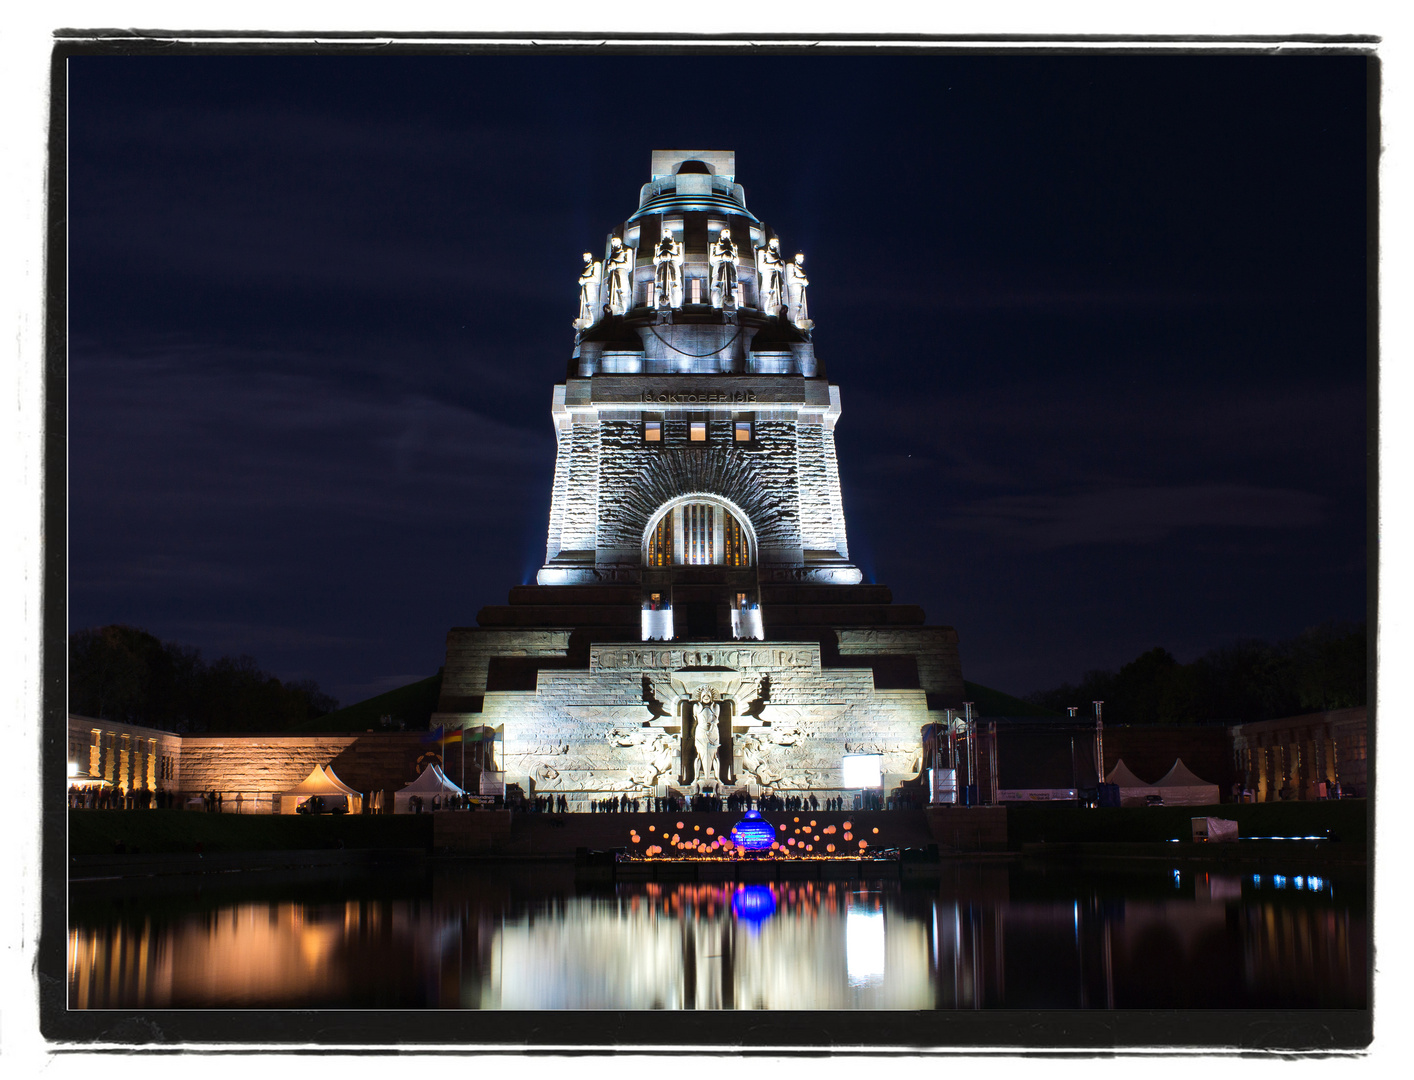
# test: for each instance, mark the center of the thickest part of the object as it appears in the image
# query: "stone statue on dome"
(722, 257)
(796, 284)
(667, 265)
(770, 276)
(591, 280)
(618, 273)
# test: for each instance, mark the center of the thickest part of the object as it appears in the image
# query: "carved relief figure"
(661, 751)
(755, 762)
(667, 263)
(722, 258)
(590, 283)
(796, 284)
(770, 274)
(618, 272)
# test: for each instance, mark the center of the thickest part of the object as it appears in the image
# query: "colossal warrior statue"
(667, 263)
(770, 276)
(590, 282)
(619, 271)
(723, 262)
(796, 284)
(708, 735)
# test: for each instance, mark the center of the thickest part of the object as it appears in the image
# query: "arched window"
(698, 533)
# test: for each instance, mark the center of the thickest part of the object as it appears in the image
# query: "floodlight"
(863, 770)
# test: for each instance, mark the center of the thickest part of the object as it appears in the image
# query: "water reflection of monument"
(805, 946)
(1205, 940)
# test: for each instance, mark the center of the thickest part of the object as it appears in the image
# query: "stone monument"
(697, 623)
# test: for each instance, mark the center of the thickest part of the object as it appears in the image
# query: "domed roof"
(670, 200)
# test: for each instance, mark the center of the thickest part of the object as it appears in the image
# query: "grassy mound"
(989, 702)
(410, 705)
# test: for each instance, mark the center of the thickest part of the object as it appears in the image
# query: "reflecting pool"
(1003, 933)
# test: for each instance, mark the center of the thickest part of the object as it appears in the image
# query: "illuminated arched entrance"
(698, 532)
(699, 572)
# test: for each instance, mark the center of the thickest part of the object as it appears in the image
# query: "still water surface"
(992, 934)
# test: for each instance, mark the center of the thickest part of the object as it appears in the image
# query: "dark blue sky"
(1098, 325)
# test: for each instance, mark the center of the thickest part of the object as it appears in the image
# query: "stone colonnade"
(1303, 757)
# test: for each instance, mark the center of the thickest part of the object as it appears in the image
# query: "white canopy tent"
(1132, 790)
(323, 782)
(431, 783)
(1179, 787)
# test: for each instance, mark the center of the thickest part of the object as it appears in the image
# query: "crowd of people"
(465, 801)
(105, 797)
(734, 803)
(541, 804)
(112, 798)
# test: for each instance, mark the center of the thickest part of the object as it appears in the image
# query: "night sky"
(1098, 324)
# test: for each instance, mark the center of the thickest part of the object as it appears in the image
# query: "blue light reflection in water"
(753, 904)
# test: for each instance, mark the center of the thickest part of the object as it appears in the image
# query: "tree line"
(125, 674)
(1323, 668)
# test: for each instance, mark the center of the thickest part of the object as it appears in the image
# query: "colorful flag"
(454, 735)
(433, 736)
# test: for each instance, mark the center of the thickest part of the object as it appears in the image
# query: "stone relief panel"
(765, 716)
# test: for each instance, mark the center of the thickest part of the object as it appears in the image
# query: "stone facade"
(248, 771)
(784, 721)
(124, 756)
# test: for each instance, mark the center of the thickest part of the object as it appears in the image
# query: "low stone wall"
(968, 828)
(470, 830)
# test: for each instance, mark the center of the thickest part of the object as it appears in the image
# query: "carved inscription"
(637, 659)
(719, 397)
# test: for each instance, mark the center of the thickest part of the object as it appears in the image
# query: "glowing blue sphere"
(753, 832)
